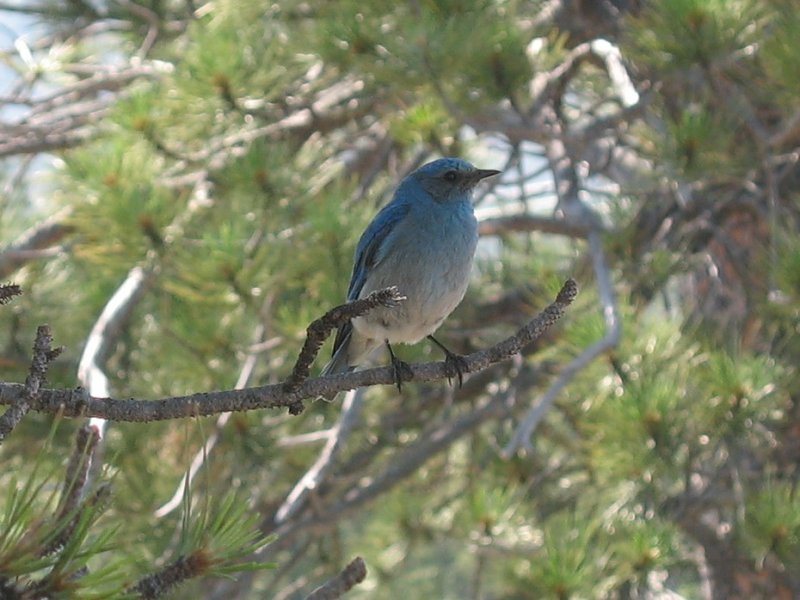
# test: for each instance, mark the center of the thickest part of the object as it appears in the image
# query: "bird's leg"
(401, 369)
(454, 363)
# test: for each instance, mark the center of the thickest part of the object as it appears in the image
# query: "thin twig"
(357, 485)
(43, 355)
(527, 223)
(73, 491)
(349, 577)
(8, 291)
(75, 477)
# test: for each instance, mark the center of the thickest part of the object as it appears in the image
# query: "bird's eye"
(450, 176)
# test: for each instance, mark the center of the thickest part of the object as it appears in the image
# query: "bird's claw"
(454, 366)
(401, 372)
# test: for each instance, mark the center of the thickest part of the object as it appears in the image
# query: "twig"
(617, 72)
(789, 129)
(403, 464)
(349, 577)
(524, 431)
(71, 114)
(527, 223)
(75, 477)
(153, 25)
(74, 488)
(77, 403)
(321, 328)
(159, 583)
(547, 85)
(8, 291)
(42, 356)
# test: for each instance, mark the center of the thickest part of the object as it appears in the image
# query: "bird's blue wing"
(366, 256)
(370, 243)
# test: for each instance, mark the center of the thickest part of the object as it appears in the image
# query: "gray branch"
(78, 403)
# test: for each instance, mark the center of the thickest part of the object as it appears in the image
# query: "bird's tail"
(338, 363)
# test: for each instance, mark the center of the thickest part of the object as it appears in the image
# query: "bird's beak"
(479, 174)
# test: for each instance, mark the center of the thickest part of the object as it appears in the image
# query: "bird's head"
(448, 179)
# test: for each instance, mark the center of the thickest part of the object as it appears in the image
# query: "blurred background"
(182, 184)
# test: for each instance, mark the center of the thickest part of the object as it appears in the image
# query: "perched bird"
(422, 242)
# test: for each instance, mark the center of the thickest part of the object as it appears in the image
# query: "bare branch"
(8, 291)
(435, 439)
(550, 83)
(42, 236)
(78, 403)
(402, 465)
(526, 223)
(42, 356)
(69, 116)
(116, 312)
(104, 334)
(788, 131)
(349, 577)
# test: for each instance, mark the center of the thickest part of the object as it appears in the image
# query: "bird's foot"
(454, 364)
(402, 372)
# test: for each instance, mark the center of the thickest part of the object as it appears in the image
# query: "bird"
(423, 243)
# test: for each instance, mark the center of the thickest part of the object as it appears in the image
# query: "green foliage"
(572, 561)
(701, 140)
(49, 551)
(49, 548)
(772, 524)
(120, 210)
(779, 55)
(686, 33)
(412, 46)
(225, 534)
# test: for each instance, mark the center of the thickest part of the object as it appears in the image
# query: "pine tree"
(183, 185)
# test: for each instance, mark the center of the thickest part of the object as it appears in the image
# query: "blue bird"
(423, 242)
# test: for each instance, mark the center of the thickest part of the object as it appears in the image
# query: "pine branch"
(78, 403)
(349, 577)
(159, 583)
(8, 291)
(76, 477)
(526, 223)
